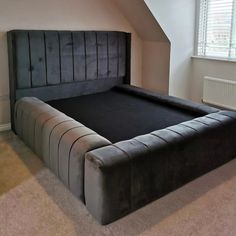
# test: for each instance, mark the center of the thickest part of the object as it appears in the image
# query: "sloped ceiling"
(140, 17)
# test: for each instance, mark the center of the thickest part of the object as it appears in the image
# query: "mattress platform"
(120, 115)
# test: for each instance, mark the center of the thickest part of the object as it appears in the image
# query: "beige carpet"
(34, 202)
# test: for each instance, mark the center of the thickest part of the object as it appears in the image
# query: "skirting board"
(5, 127)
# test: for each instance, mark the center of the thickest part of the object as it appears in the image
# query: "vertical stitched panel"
(113, 54)
(79, 56)
(22, 60)
(66, 57)
(48, 57)
(52, 57)
(91, 55)
(102, 41)
(122, 55)
(37, 52)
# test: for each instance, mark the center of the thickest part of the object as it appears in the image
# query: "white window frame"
(197, 18)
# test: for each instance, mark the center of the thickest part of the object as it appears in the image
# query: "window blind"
(217, 34)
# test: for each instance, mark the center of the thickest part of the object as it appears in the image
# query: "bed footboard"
(121, 178)
(57, 139)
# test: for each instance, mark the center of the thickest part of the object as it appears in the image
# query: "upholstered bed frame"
(59, 64)
(112, 179)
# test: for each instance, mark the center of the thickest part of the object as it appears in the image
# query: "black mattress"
(118, 115)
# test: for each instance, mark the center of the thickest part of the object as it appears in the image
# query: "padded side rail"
(169, 100)
(123, 177)
(57, 139)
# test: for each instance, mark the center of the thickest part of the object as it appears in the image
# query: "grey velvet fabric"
(46, 135)
(58, 140)
(116, 179)
(170, 100)
(122, 177)
(50, 64)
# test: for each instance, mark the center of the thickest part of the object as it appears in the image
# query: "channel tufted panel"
(52, 65)
(47, 132)
(56, 57)
(58, 140)
(149, 166)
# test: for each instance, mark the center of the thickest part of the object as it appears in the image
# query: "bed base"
(125, 176)
(116, 179)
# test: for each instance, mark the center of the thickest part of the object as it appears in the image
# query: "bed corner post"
(12, 74)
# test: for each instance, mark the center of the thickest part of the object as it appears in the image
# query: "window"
(217, 29)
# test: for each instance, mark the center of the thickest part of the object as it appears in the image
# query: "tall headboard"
(59, 64)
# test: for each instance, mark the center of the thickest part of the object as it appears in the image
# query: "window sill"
(214, 58)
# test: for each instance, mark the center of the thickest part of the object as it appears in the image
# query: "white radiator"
(219, 92)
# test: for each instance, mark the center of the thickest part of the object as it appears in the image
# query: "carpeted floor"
(34, 202)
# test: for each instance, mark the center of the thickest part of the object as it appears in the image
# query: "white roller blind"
(217, 34)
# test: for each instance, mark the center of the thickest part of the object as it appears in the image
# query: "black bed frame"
(60, 64)
(115, 179)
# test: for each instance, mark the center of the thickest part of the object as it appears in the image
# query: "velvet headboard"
(60, 64)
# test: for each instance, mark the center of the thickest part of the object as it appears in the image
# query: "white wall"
(61, 14)
(156, 63)
(177, 19)
(141, 18)
(214, 68)
(156, 45)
